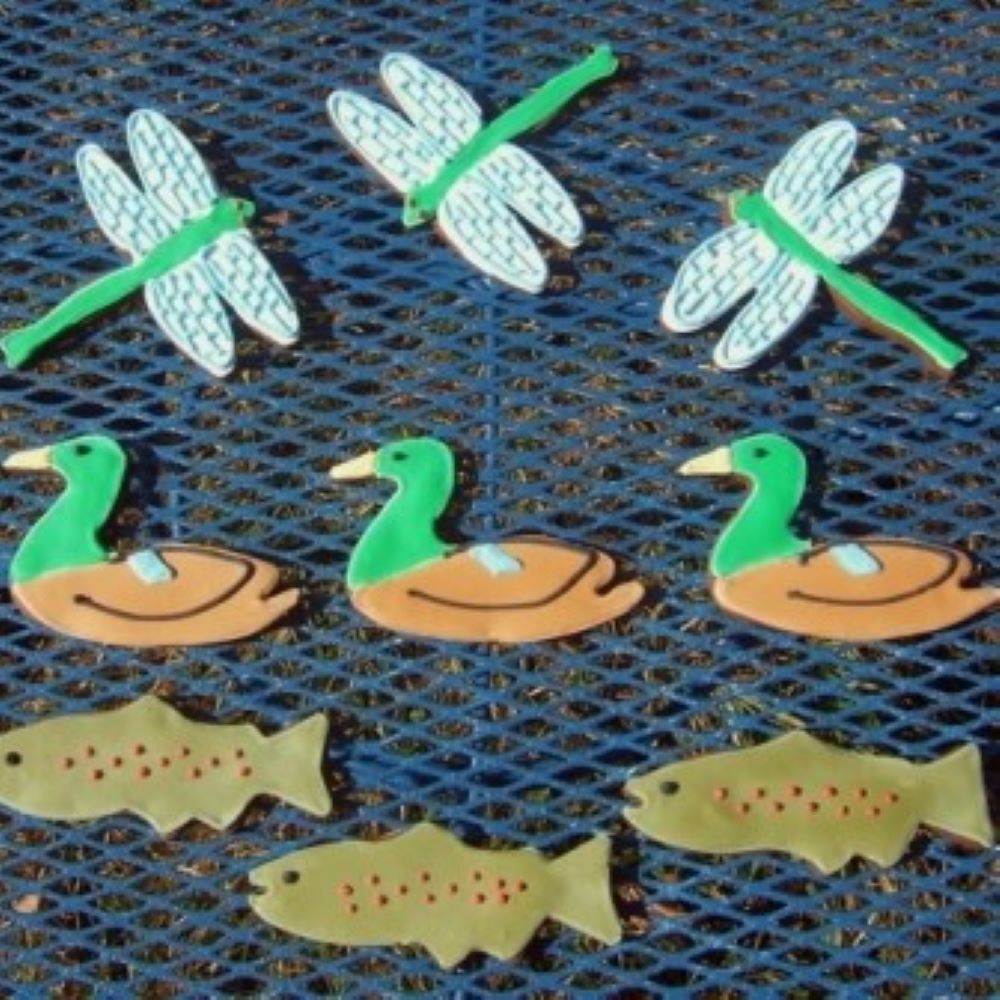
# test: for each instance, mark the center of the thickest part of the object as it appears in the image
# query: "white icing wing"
(533, 192)
(126, 216)
(173, 174)
(782, 298)
(485, 231)
(811, 170)
(716, 275)
(189, 313)
(243, 276)
(857, 215)
(437, 106)
(387, 143)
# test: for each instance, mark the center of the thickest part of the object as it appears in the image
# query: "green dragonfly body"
(227, 215)
(880, 309)
(422, 202)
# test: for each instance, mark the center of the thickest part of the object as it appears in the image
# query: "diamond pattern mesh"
(571, 412)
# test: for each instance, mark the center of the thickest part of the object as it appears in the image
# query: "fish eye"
(13, 758)
(290, 877)
(82, 449)
(760, 453)
(669, 787)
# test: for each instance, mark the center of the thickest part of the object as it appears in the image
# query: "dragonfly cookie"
(783, 240)
(467, 175)
(190, 251)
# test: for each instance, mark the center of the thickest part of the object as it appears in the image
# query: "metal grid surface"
(571, 412)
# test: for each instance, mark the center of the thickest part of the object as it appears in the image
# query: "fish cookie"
(862, 590)
(148, 759)
(174, 595)
(800, 795)
(522, 589)
(427, 887)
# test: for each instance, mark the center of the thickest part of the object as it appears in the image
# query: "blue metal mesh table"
(571, 411)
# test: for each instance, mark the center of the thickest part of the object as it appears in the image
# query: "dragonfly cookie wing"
(438, 107)
(126, 216)
(533, 193)
(485, 231)
(245, 278)
(173, 173)
(189, 312)
(716, 275)
(782, 299)
(856, 216)
(387, 143)
(811, 169)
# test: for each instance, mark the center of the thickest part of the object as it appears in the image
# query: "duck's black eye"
(399, 456)
(669, 787)
(13, 758)
(83, 449)
(760, 453)
(290, 877)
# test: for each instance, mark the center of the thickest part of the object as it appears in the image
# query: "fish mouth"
(259, 886)
(636, 799)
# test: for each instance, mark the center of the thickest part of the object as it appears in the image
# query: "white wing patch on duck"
(148, 565)
(495, 559)
(855, 559)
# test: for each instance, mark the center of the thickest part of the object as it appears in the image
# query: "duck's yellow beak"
(713, 463)
(362, 467)
(32, 460)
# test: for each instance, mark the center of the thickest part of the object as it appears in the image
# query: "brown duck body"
(560, 589)
(213, 596)
(919, 588)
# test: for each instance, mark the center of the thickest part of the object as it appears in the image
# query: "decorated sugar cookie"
(173, 595)
(403, 576)
(148, 759)
(190, 250)
(467, 175)
(867, 589)
(427, 887)
(784, 239)
(800, 795)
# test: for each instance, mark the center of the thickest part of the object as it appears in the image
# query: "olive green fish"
(148, 759)
(803, 796)
(427, 887)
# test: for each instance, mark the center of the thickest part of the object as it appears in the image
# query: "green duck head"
(761, 532)
(67, 535)
(403, 536)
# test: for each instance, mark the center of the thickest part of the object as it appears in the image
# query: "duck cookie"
(403, 576)
(174, 595)
(190, 251)
(426, 887)
(467, 175)
(147, 759)
(784, 239)
(800, 795)
(867, 589)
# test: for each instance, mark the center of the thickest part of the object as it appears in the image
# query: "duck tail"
(956, 799)
(297, 756)
(582, 893)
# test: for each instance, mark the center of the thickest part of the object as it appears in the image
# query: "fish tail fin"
(297, 765)
(956, 800)
(582, 894)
